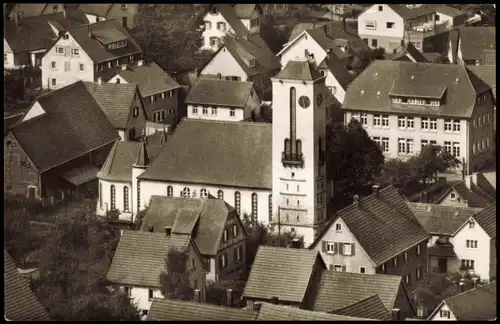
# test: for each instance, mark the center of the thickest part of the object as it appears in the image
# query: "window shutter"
(352, 248)
(341, 248)
(344, 268)
(324, 246)
(236, 253)
(334, 248)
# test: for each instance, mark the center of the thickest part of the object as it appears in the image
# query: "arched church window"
(113, 197)
(254, 206)
(100, 195)
(220, 195)
(299, 146)
(237, 202)
(287, 145)
(125, 198)
(270, 207)
(203, 193)
(186, 192)
(170, 191)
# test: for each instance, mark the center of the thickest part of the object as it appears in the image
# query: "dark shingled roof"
(104, 29)
(115, 100)
(230, 151)
(474, 196)
(487, 220)
(35, 33)
(441, 220)
(337, 290)
(29, 9)
(73, 124)
(408, 49)
(383, 75)
(271, 312)
(411, 13)
(273, 276)
(478, 304)
(176, 310)
(370, 307)
(384, 225)
(118, 164)
(96, 9)
(337, 68)
(227, 11)
(473, 40)
(299, 70)
(245, 10)
(220, 93)
(488, 74)
(150, 78)
(183, 213)
(140, 257)
(20, 302)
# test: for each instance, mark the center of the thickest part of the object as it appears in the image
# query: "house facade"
(387, 25)
(221, 19)
(474, 191)
(345, 247)
(85, 53)
(122, 12)
(159, 91)
(145, 253)
(472, 46)
(403, 123)
(222, 100)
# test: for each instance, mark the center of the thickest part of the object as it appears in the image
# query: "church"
(273, 172)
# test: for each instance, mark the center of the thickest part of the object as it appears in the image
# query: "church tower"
(138, 168)
(299, 126)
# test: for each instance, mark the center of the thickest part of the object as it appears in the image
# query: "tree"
(355, 157)
(175, 281)
(274, 35)
(73, 268)
(436, 287)
(171, 36)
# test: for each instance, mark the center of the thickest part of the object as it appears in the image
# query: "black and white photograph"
(239, 162)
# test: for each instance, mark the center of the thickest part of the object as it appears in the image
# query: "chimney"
(468, 181)
(168, 230)
(151, 228)
(197, 296)
(396, 314)
(99, 80)
(423, 197)
(124, 67)
(375, 189)
(229, 297)
(355, 200)
(140, 62)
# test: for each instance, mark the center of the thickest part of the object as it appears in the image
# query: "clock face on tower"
(319, 99)
(304, 102)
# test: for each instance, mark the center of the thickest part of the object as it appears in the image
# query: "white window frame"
(448, 146)
(370, 24)
(423, 143)
(208, 25)
(204, 111)
(349, 249)
(472, 224)
(235, 230)
(363, 117)
(214, 111)
(456, 126)
(424, 123)
(401, 146)
(395, 261)
(448, 125)
(59, 50)
(204, 193)
(453, 196)
(385, 144)
(433, 124)
(390, 24)
(444, 313)
(385, 121)
(224, 260)
(377, 120)
(337, 266)
(356, 116)
(53, 65)
(194, 110)
(75, 51)
(338, 228)
(232, 112)
(456, 149)
(410, 146)
(330, 248)
(377, 140)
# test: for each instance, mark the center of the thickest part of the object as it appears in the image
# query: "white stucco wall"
(246, 22)
(140, 296)
(331, 81)
(93, 18)
(437, 315)
(106, 198)
(380, 18)
(64, 78)
(213, 31)
(301, 187)
(480, 255)
(297, 50)
(211, 275)
(149, 188)
(223, 113)
(352, 263)
(225, 64)
(8, 61)
(34, 111)
(393, 132)
(117, 77)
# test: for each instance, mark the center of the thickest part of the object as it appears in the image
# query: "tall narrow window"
(125, 198)
(170, 191)
(237, 201)
(287, 145)
(220, 195)
(270, 208)
(203, 193)
(186, 192)
(113, 197)
(293, 110)
(254, 206)
(100, 195)
(299, 147)
(138, 196)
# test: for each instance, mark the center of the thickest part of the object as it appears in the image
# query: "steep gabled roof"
(230, 152)
(337, 68)
(478, 304)
(177, 310)
(20, 302)
(115, 100)
(96, 9)
(474, 196)
(220, 93)
(284, 273)
(227, 11)
(103, 30)
(140, 257)
(245, 10)
(370, 307)
(408, 49)
(474, 40)
(271, 312)
(182, 214)
(441, 220)
(338, 290)
(299, 70)
(372, 89)
(73, 124)
(487, 220)
(487, 73)
(150, 78)
(35, 32)
(254, 46)
(384, 225)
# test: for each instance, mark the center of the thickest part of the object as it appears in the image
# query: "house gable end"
(33, 111)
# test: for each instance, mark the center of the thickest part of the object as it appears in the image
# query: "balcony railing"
(292, 158)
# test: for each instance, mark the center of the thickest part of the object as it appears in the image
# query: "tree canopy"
(353, 155)
(174, 281)
(171, 36)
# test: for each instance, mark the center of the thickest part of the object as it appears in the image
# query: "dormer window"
(120, 44)
(251, 63)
